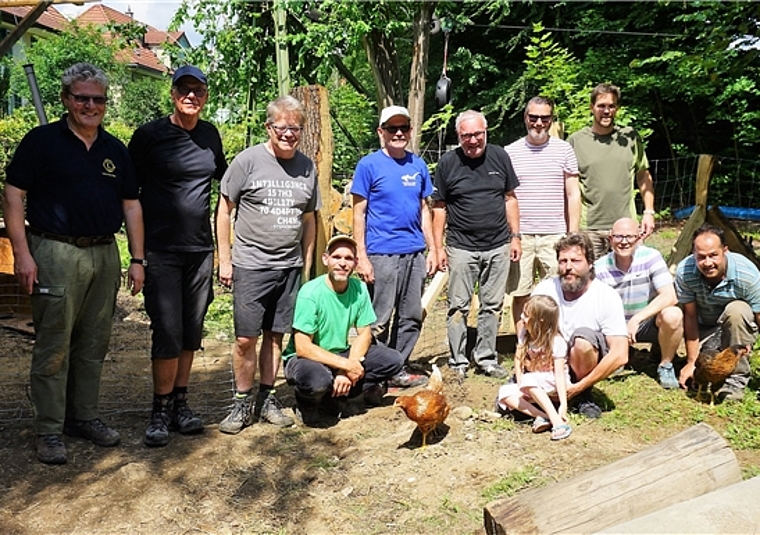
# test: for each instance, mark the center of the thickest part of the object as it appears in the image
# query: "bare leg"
(670, 325)
(244, 362)
(269, 357)
(542, 398)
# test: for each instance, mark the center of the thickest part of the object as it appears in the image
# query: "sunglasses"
(544, 118)
(98, 100)
(184, 90)
(394, 128)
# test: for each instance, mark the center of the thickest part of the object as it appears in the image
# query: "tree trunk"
(382, 56)
(418, 74)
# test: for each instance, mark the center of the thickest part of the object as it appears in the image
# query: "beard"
(576, 285)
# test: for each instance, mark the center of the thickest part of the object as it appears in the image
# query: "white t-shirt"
(599, 308)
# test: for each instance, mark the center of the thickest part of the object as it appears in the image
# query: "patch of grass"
(526, 477)
(324, 462)
(218, 323)
(748, 472)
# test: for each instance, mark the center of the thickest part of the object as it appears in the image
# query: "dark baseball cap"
(189, 70)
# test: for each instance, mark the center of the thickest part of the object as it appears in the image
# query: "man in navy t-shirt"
(392, 225)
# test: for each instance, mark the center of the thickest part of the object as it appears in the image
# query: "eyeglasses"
(627, 237)
(544, 118)
(184, 90)
(470, 135)
(98, 100)
(395, 128)
(285, 128)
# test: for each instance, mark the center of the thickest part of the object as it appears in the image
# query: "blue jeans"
(397, 296)
(490, 270)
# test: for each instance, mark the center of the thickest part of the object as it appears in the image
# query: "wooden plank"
(682, 247)
(688, 465)
(705, 168)
(732, 509)
(734, 240)
(432, 292)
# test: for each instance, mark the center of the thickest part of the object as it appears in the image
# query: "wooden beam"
(694, 462)
(23, 26)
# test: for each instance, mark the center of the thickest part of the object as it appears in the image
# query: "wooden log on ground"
(732, 509)
(688, 465)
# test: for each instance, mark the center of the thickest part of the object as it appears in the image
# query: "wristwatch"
(517, 235)
(141, 261)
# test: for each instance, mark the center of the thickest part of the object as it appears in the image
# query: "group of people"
(541, 204)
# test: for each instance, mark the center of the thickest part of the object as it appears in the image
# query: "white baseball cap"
(392, 111)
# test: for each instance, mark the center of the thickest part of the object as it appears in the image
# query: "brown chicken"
(427, 408)
(713, 367)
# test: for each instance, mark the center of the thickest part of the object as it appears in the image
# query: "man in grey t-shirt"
(274, 188)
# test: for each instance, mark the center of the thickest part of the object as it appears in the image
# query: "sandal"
(561, 432)
(541, 424)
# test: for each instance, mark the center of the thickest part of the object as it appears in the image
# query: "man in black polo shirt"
(78, 182)
(176, 158)
(474, 198)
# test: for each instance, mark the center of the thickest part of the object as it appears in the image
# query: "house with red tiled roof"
(51, 21)
(147, 56)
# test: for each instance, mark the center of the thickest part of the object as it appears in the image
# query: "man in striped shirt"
(549, 194)
(720, 295)
(640, 276)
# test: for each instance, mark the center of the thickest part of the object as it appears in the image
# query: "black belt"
(78, 241)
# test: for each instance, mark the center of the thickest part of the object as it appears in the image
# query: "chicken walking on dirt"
(712, 368)
(427, 408)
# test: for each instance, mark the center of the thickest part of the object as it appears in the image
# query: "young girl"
(540, 369)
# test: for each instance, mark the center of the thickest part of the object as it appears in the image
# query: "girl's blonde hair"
(541, 327)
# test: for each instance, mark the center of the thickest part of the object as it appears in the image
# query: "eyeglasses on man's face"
(395, 128)
(467, 136)
(544, 118)
(184, 90)
(630, 238)
(282, 129)
(98, 100)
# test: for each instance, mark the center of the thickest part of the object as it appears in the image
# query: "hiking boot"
(240, 417)
(496, 371)
(269, 409)
(373, 396)
(730, 393)
(307, 413)
(157, 434)
(184, 419)
(405, 379)
(50, 449)
(587, 407)
(93, 430)
(667, 376)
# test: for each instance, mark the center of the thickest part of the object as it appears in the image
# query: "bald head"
(624, 237)
(625, 225)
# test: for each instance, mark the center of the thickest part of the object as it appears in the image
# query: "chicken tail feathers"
(435, 382)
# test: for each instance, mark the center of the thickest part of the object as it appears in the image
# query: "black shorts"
(264, 300)
(178, 290)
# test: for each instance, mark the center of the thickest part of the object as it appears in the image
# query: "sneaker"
(307, 414)
(184, 419)
(729, 393)
(494, 370)
(240, 417)
(407, 380)
(373, 396)
(157, 434)
(93, 430)
(667, 376)
(460, 373)
(50, 449)
(269, 409)
(587, 407)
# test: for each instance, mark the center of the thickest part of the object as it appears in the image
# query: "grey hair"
(283, 105)
(469, 115)
(83, 72)
(540, 101)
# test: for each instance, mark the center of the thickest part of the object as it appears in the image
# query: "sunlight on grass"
(526, 477)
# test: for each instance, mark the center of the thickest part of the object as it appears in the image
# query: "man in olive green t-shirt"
(610, 159)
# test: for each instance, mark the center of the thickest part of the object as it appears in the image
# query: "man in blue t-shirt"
(392, 226)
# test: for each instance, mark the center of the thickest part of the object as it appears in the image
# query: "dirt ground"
(365, 475)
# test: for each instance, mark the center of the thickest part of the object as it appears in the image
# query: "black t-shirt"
(175, 168)
(72, 190)
(473, 190)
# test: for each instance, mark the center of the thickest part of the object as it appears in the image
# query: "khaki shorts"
(538, 261)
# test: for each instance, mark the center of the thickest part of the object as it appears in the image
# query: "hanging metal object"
(443, 87)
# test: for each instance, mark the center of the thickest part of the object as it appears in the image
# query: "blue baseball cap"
(189, 70)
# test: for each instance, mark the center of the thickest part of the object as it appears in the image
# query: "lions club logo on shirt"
(109, 167)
